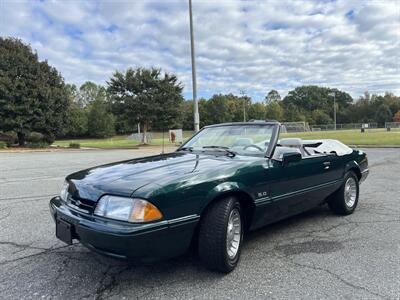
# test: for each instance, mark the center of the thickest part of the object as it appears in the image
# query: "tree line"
(34, 98)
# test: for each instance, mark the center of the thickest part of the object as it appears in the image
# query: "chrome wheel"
(350, 192)
(233, 233)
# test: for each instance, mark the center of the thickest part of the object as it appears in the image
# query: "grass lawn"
(119, 141)
(353, 137)
(349, 137)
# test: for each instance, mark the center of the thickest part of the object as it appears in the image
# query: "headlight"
(127, 209)
(64, 191)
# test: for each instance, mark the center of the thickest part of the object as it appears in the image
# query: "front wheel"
(344, 201)
(221, 235)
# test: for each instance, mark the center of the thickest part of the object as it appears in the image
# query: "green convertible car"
(224, 181)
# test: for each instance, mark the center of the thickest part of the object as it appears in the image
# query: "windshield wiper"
(186, 149)
(226, 149)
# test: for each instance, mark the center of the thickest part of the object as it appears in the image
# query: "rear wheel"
(221, 235)
(345, 200)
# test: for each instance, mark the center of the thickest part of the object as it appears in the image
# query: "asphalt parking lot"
(316, 255)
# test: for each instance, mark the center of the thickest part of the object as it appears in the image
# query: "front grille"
(81, 204)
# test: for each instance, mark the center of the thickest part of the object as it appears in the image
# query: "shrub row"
(74, 145)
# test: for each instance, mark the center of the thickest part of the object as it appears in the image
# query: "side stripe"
(266, 200)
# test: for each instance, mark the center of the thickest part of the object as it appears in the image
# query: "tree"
(257, 111)
(396, 117)
(147, 97)
(100, 121)
(272, 96)
(320, 117)
(383, 114)
(77, 124)
(309, 98)
(274, 111)
(220, 109)
(293, 114)
(187, 115)
(33, 95)
(88, 93)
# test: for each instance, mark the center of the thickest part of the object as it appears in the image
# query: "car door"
(301, 185)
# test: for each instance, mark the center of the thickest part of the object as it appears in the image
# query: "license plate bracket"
(64, 231)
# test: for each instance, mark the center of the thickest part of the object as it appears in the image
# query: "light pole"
(333, 94)
(243, 93)
(195, 103)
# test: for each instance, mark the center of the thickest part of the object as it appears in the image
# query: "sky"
(250, 46)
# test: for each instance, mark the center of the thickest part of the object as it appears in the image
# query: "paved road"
(316, 255)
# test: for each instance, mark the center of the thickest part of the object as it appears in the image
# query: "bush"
(100, 121)
(49, 138)
(9, 137)
(37, 145)
(74, 145)
(3, 145)
(35, 137)
(77, 122)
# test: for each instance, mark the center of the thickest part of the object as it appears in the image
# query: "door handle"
(327, 165)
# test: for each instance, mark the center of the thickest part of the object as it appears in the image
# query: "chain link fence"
(346, 126)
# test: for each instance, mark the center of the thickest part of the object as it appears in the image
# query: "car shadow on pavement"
(111, 277)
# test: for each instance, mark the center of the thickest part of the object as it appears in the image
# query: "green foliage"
(226, 108)
(367, 107)
(146, 96)
(305, 99)
(318, 116)
(257, 111)
(32, 94)
(383, 114)
(9, 137)
(35, 137)
(396, 117)
(3, 145)
(77, 122)
(292, 113)
(37, 145)
(272, 96)
(89, 92)
(187, 115)
(100, 121)
(75, 145)
(274, 111)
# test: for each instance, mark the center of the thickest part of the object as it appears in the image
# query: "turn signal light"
(144, 211)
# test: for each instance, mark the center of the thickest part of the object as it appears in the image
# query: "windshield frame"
(271, 146)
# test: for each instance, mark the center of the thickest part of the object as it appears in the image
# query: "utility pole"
(195, 102)
(333, 94)
(243, 93)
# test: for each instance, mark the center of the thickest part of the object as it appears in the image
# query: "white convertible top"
(328, 146)
(318, 146)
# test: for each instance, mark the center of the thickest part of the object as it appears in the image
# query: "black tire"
(212, 242)
(337, 201)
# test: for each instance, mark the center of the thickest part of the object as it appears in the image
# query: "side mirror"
(290, 157)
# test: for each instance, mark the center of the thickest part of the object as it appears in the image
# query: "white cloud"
(251, 45)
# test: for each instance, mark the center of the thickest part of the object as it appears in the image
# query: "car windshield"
(251, 140)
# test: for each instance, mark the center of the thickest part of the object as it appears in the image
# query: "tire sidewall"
(232, 262)
(348, 175)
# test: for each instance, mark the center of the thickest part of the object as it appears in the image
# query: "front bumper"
(143, 242)
(364, 175)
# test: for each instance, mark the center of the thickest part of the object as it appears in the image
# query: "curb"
(8, 150)
(376, 146)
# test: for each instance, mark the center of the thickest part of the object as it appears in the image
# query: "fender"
(352, 165)
(225, 188)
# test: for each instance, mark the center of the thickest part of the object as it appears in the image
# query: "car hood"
(123, 178)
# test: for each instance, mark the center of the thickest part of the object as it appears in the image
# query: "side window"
(279, 151)
(287, 145)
